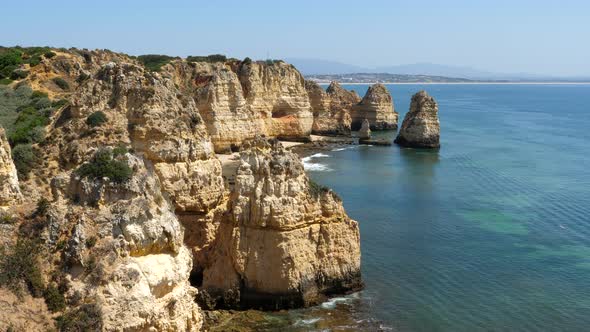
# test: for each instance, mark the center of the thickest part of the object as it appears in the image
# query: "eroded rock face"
(365, 131)
(377, 107)
(328, 118)
(421, 127)
(9, 188)
(286, 242)
(136, 269)
(148, 113)
(239, 100)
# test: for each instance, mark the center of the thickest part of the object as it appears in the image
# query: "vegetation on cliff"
(103, 165)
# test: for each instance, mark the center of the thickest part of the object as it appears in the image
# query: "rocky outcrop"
(377, 107)
(328, 118)
(365, 131)
(131, 250)
(239, 100)
(340, 98)
(136, 268)
(286, 242)
(9, 188)
(421, 127)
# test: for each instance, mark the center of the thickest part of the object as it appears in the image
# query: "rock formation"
(137, 267)
(286, 242)
(9, 189)
(239, 100)
(328, 118)
(377, 107)
(421, 127)
(365, 131)
(134, 250)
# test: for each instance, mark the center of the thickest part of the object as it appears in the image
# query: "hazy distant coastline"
(386, 78)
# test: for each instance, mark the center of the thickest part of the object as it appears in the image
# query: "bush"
(5, 81)
(154, 62)
(28, 119)
(19, 74)
(91, 242)
(247, 61)
(39, 94)
(82, 77)
(6, 219)
(54, 299)
(42, 103)
(61, 83)
(85, 318)
(20, 265)
(119, 151)
(96, 119)
(24, 159)
(209, 58)
(49, 54)
(316, 190)
(102, 165)
(34, 60)
(42, 206)
(10, 59)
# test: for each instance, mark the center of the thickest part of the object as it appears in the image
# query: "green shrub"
(54, 299)
(42, 103)
(154, 62)
(82, 77)
(96, 119)
(49, 54)
(102, 165)
(209, 58)
(59, 103)
(20, 265)
(39, 94)
(10, 59)
(119, 151)
(24, 159)
(42, 207)
(85, 318)
(28, 119)
(5, 81)
(317, 190)
(61, 83)
(247, 61)
(6, 219)
(34, 60)
(91, 242)
(19, 74)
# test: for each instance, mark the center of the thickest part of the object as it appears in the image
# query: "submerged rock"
(377, 107)
(421, 127)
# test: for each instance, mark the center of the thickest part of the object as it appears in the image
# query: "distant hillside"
(384, 78)
(316, 67)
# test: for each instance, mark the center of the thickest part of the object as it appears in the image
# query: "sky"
(519, 36)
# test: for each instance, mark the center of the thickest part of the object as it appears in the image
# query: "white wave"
(344, 148)
(331, 303)
(317, 167)
(309, 321)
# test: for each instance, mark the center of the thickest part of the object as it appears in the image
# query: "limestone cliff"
(239, 100)
(9, 188)
(328, 118)
(421, 127)
(134, 249)
(124, 250)
(377, 107)
(287, 242)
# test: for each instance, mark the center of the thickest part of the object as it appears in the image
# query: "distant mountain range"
(316, 67)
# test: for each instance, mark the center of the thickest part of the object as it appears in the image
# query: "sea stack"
(328, 118)
(421, 127)
(365, 131)
(377, 107)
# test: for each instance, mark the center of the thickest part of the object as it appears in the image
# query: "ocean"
(489, 233)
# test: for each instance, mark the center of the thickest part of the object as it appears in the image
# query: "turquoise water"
(491, 233)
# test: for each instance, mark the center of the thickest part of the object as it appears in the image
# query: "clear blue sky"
(543, 37)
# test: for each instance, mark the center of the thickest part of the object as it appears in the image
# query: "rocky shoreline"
(136, 212)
